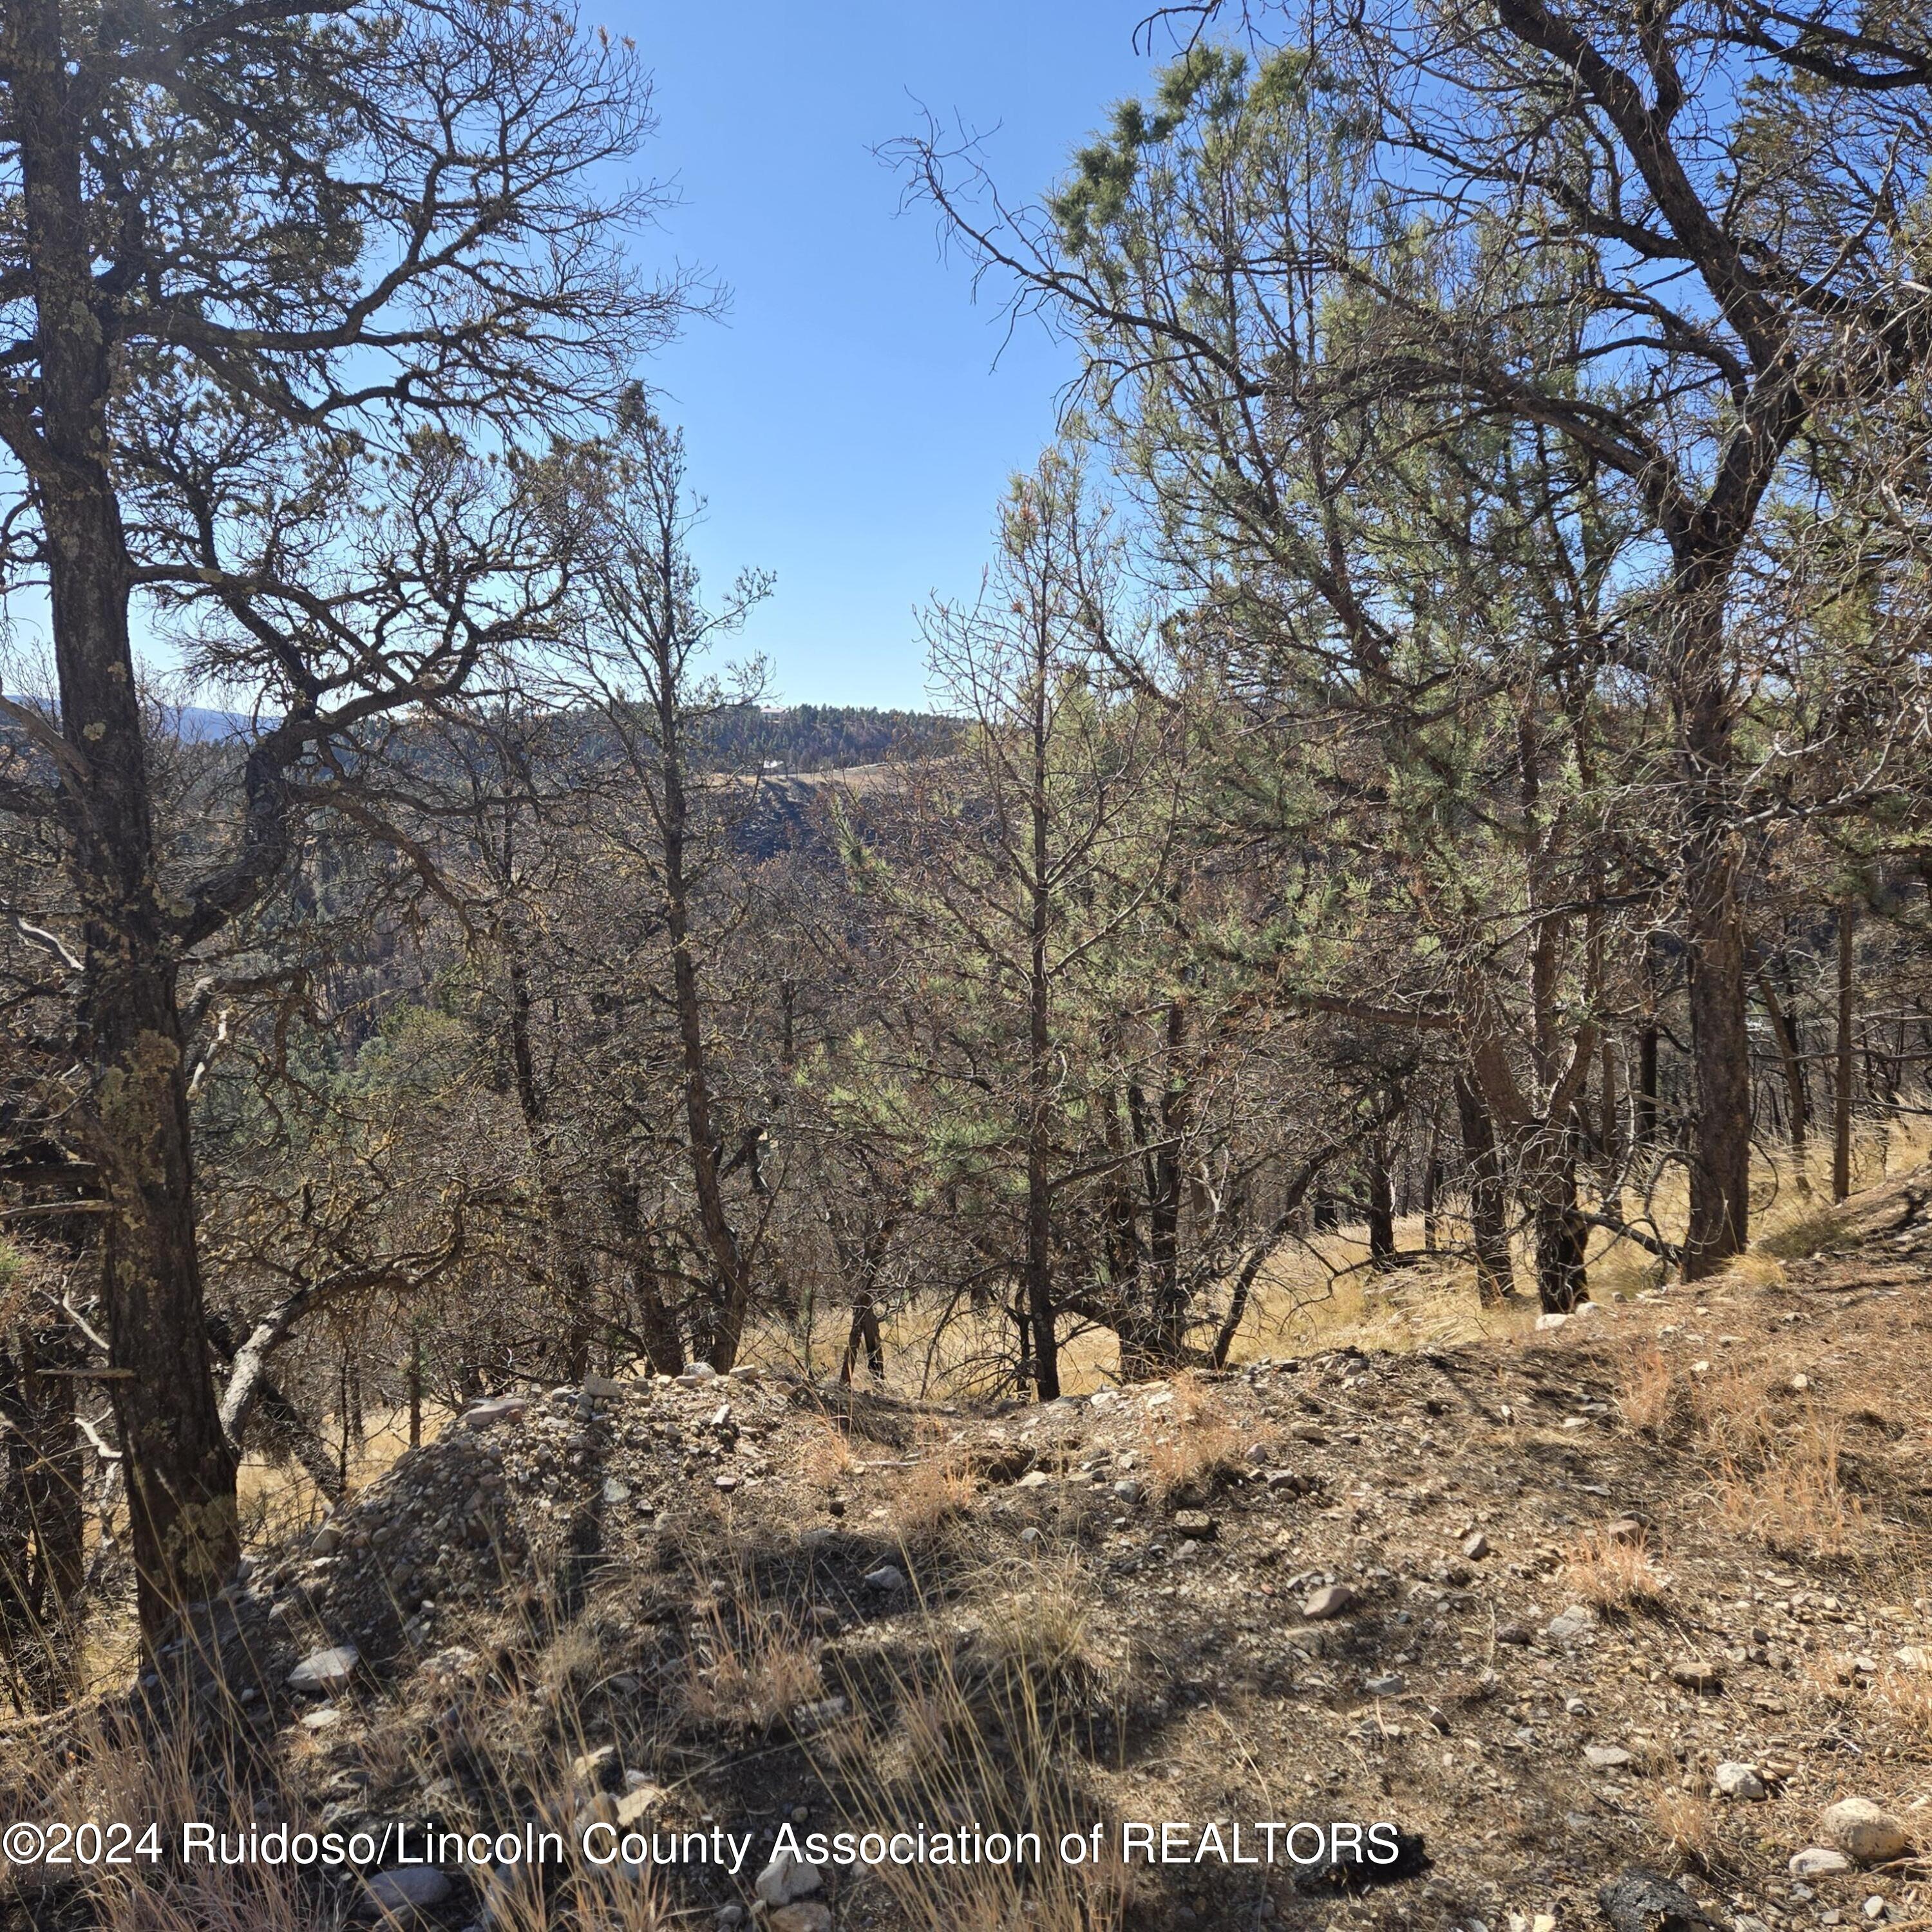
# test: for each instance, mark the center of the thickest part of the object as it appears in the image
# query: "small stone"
(638, 1802)
(808, 1916)
(326, 1541)
(1332, 1600)
(1637, 1901)
(731, 1917)
(1551, 1320)
(1799, 1383)
(1567, 1626)
(499, 1408)
(323, 1672)
(787, 1878)
(597, 1767)
(1033, 1479)
(1875, 1908)
(1127, 1490)
(1195, 1522)
(413, 1889)
(1388, 1685)
(1694, 1674)
(887, 1578)
(1740, 1781)
(1475, 1546)
(323, 1720)
(1819, 1861)
(698, 1374)
(603, 1388)
(1606, 1757)
(615, 1490)
(1865, 1833)
(1033, 1538)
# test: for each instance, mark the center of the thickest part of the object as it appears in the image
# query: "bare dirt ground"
(1522, 1597)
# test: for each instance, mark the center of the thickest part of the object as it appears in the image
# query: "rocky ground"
(1624, 1621)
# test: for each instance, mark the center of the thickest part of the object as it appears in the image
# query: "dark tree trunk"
(1562, 1234)
(1489, 1220)
(1841, 1091)
(1380, 1205)
(1720, 1217)
(180, 1472)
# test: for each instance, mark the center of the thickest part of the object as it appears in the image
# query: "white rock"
(603, 1388)
(1865, 1833)
(1819, 1861)
(1738, 1781)
(616, 1491)
(1332, 1600)
(1033, 1479)
(1475, 1546)
(698, 1374)
(500, 1408)
(787, 1877)
(1551, 1320)
(1568, 1625)
(886, 1577)
(325, 1672)
(1606, 1757)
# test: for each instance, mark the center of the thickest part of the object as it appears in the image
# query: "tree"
(250, 247)
(1703, 285)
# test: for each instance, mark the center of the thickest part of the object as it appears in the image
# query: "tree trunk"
(1792, 1067)
(1381, 1206)
(1841, 1091)
(181, 1469)
(1562, 1234)
(1488, 1224)
(1039, 1080)
(1720, 1217)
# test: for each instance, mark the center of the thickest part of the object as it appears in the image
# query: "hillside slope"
(1522, 1600)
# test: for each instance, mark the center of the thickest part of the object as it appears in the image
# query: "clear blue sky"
(847, 421)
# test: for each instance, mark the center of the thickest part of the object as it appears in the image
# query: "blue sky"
(847, 422)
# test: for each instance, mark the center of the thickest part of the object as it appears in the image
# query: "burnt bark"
(1488, 1217)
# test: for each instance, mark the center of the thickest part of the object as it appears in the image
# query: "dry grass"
(1649, 1399)
(1190, 1441)
(1688, 1824)
(751, 1669)
(1612, 1575)
(827, 1462)
(928, 1498)
(1794, 1502)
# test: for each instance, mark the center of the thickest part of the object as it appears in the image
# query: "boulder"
(1867, 1834)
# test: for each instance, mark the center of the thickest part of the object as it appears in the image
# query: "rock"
(1819, 1861)
(325, 1719)
(603, 1388)
(1567, 1626)
(1388, 1685)
(1332, 1600)
(412, 1888)
(500, 1408)
(1606, 1757)
(1513, 1632)
(1706, 1679)
(1195, 1522)
(326, 1541)
(1033, 1479)
(1286, 1479)
(1033, 1540)
(809, 1916)
(323, 1672)
(1551, 1320)
(887, 1578)
(1738, 1781)
(1628, 1530)
(1475, 1546)
(698, 1374)
(1636, 1900)
(1129, 1491)
(638, 1802)
(616, 1491)
(731, 1917)
(1866, 1834)
(787, 1878)
(597, 1768)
